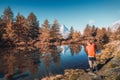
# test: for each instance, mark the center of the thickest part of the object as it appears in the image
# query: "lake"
(30, 63)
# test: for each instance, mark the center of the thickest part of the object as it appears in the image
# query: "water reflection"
(28, 63)
(75, 48)
(50, 53)
(17, 61)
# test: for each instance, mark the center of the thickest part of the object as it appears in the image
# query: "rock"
(49, 78)
(59, 76)
(66, 73)
(99, 77)
(74, 77)
(114, 63)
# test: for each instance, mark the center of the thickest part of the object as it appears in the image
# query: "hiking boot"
(95, 69)
(91, 69)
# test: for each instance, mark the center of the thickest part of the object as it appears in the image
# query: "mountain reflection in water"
(29, 63)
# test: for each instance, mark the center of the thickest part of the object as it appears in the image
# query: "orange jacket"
(91, 50)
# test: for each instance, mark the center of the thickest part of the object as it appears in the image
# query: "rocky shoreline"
(108, 66)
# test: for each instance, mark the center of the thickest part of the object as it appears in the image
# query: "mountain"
(115, 25)
(64, 31)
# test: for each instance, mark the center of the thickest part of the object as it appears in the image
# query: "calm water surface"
(30, 63)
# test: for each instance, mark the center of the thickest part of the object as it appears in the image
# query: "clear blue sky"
(76, 13)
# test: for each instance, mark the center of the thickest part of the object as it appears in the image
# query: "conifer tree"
(45, 30)
(21, 29)
(33, 25)
(7, 23)
(93, 31)
(116, 34)
(1, 28)
(55, 30)
(102, 35)
(87, 30)
(76, 36)
(71, 32)
(7, 15)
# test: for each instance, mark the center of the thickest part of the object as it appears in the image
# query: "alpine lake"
(29, 63)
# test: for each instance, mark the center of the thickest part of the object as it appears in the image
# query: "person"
(91, 52)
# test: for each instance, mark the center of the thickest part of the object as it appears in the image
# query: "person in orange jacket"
(91, 52)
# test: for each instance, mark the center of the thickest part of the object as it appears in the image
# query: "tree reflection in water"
(24, 62)
(15, 61)
(50, 53)
(75, 48)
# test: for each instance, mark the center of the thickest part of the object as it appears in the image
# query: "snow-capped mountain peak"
(64, 31)
(63, 28)
(115, 25)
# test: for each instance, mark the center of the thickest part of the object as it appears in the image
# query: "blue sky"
(76, 13)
